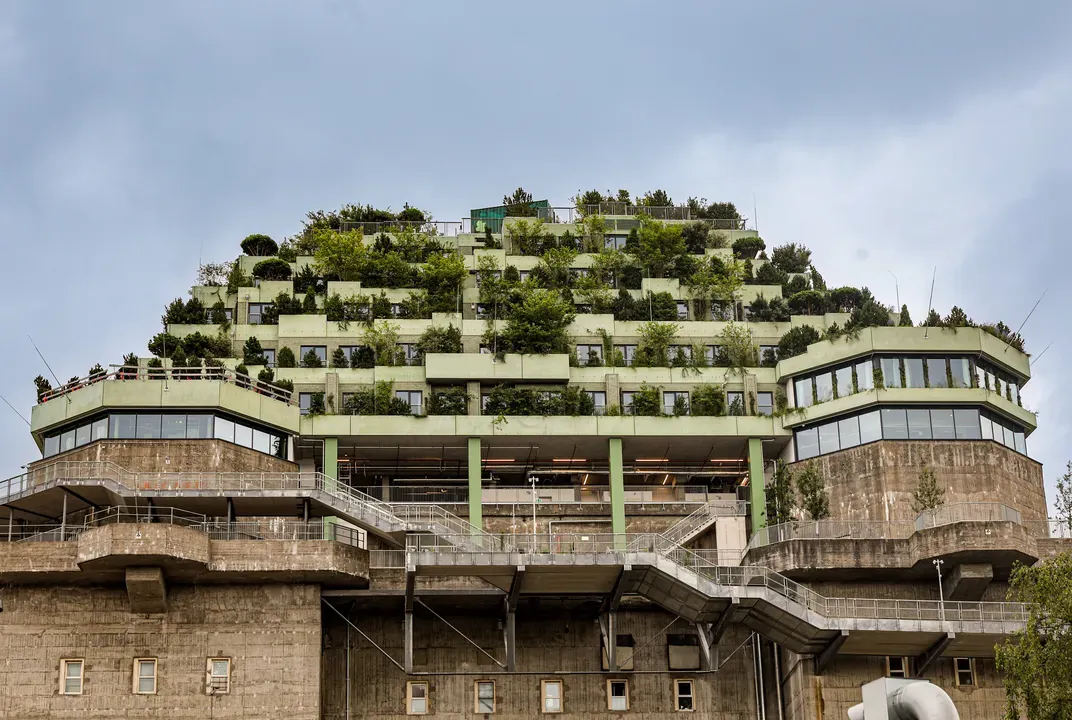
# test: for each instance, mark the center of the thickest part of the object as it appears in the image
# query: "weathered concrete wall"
(829, 696)
(174, 456)
(270, 632)
(876, 481)
(548, 640)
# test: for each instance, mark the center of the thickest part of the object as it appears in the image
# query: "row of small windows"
(552, 697)
(144, 676)
(907, 424)
(165, 426)
(900, 372)
(963, 669)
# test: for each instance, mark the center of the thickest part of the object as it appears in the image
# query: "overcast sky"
(889, 137)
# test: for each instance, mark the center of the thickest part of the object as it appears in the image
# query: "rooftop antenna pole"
(755, 212)
(930, 303)
(896, 289)
(58, 383)
(28, 422)
(1007, 344)
(1029, 364)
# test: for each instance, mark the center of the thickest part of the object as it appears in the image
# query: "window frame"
(905, 669)
(972, 681)
(769, 404)
(212, 687)
(419, 407)
(543, 696)
(600, 408)
(590, 349)
(65, 663)
(137, 676)
(320, 350)
(477, 698)
(610, 696)
(691, 696)
(427, 697)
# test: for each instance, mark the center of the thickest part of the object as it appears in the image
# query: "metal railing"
(694, 523)
(130, 373)
(457, 494)
(879, 530)
(387, 559)
(1058, 528)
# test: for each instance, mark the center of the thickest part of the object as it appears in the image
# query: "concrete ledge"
(124, 545)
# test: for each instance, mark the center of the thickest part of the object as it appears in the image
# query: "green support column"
(617, 492)
(331, 461)
(757, 484)
(476, 495)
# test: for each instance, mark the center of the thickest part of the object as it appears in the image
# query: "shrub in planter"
(259, 245)
(647, 401)
(747, 248)
(708, 400)
(339, 359)
(285, 358)
(448, 401)
(796, 341)
(252, 352)
(43, 386)
(272, 269)
(129, 371)
(311, 360)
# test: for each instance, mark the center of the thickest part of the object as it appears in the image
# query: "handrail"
(123, 373)
(693, 523)
(880, 530)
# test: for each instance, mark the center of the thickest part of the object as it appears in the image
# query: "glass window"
(960, 369)
(986, 427)
(262, 441)
(936, 373)
(67, 441)
(1019, 442)
(627, 401)
(870, 427)
(81, 436)
(1010, 438)
(321, 351)
(682, 310)
(828, 438)
(243, 435)
(802, 392)
(865, 376)
(52, 445)
(849, 432)
(942, 425)
(824, 387)
(269, 356)
(219, 676)
(844, 381)
(670, 401)
(71, 680)
(148, 426)
(913, 371)
(919, 424)
(617, 695)
(417, 698)
(966, 421)
(485, 696)
(628, 353)
(410, 353)
(965, 670)
(198, 426)
(144, 676)
(1014, 392)
(765, 403)
(305, 401)
(173, 426)
(735, 403)
(891, 372)
(599, 399)
(223, 429)
(684, 695)
(413, 397)
(894, 424)
(590, 355)
(552, 696)
(100, 429)
(897, 667)
(123, 427)
(807, 443)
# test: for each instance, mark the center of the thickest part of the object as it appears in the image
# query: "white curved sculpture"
(899, 699)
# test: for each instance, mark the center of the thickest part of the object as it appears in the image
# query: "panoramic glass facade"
(907, 423)
(166, 426)
(894, 372)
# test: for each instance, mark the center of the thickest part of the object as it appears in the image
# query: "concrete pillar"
(750, 394)
(613, 386)
(332, 398)
(617, 492)
(473, 390)
(757, 484)
(331, 462)
(476, 499)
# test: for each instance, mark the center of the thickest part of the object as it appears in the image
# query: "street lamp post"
(941, 592)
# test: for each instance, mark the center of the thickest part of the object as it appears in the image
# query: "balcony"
(170, 388)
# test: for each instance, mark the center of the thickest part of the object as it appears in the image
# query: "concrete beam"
(407, 642)
(476, 491)
(757, 493)
(710, 634)
(612, 601)
(617, 492)
(608, 629)
(967, 581)
(510, 638)
(823, 659)
(146, 589)
(515, 589)
(932, 653)
(411, 584)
